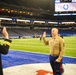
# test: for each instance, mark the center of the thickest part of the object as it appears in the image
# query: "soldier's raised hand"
(44, 34)
(5, 33)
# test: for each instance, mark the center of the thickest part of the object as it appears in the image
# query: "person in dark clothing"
(40, 38)
(4, 47)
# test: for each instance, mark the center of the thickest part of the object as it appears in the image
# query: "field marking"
(40, 53)
(33, 69)
(38, 64)
(71, 48)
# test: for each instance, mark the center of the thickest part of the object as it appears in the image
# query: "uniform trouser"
(56, 66)
(1, 71)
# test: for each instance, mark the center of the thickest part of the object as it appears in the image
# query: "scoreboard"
(65, 0)
(67, 7)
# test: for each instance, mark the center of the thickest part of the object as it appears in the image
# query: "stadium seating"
(19, 32)
(32, 32)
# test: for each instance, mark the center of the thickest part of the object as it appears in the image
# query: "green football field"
(34, 45)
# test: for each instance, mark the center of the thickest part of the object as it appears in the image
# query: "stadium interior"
(29, 18)
(25, 21)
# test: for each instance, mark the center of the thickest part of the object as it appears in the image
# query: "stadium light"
(3, 9)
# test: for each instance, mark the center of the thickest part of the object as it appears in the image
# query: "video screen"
(65, 6)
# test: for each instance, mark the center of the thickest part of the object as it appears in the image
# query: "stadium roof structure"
(35, 8)
(32, 9)
(38, 4)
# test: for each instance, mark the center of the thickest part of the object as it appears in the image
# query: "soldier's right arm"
(44, 40)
